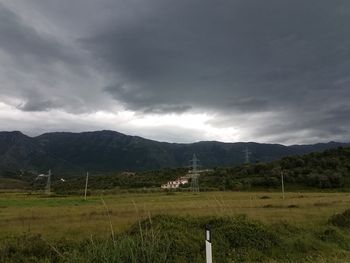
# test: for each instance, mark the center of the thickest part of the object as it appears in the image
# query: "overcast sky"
(178, 70)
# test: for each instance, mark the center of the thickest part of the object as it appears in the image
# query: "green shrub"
(175, 239)
(340, 220)
(27, 248)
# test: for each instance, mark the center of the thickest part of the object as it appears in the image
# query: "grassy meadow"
(76, 221)
(72, 217)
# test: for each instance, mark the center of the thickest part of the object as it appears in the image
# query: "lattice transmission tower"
(48, 182)
(194, 174)
(247, 154)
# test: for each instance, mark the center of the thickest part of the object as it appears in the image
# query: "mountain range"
(106, 151)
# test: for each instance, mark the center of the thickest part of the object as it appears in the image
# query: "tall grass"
(173, 239)
(180, 238)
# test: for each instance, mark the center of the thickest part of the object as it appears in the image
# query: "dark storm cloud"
(210, 52)
(38, 105)
(43, 69)
(24, 42)
(276, 69)
(131, 96)
(249, 105)
(233, 57)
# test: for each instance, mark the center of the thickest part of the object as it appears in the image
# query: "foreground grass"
(181, 239)
(162, 227)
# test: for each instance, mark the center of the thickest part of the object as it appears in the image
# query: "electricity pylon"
(194, 174)
(247, 154)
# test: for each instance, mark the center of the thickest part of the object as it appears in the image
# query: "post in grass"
(208, 252)
(86, 184)
(282, 184)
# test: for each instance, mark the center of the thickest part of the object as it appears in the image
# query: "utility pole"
(282, 184)
(86, 184)
(48, 184)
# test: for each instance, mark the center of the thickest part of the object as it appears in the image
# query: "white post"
(282, 184)
(208, 252)
(86, 184)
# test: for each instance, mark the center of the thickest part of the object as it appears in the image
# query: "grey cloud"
(161, 109)
(137, 99)
(46, 71)
(249, 104)
(41, 105)
(277, 69)
(26, 43)
(206, 53)
(326, 124)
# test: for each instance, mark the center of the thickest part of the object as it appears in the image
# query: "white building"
(175, 184)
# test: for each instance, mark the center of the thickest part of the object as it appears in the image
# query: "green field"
(72, 217)
(75, 220)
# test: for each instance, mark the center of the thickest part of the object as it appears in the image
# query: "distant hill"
(106, 151)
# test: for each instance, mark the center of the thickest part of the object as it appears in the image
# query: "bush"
(341, 220)
(27, 248)
(175, 239)
(154, 240)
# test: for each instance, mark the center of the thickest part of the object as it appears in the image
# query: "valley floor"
(75, 220)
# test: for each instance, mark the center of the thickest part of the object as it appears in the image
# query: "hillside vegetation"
(324, 170)
(328, 169)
